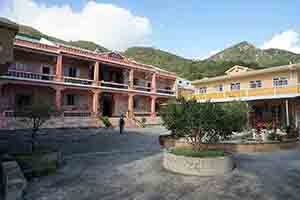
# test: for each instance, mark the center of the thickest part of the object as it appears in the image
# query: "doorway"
(107, 103)
(46, 70)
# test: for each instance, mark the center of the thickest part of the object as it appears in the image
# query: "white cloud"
(106, 24)
(288, 40)
(211, 53)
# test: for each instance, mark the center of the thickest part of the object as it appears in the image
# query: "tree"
(204, 122)
(35, 115)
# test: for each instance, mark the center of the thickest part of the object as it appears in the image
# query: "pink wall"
(120, 104)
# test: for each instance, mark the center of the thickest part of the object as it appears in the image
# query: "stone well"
(197, 166)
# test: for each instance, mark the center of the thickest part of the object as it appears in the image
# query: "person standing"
(121, 124)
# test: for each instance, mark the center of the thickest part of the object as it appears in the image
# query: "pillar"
(131, 72)
(287, 112)
(153, 83)
(153, 110)
(130, 106)
(96, 73)
(96, 102)
(59, 70)
(58, 98)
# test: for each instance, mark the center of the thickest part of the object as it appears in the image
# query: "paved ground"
(134, 171)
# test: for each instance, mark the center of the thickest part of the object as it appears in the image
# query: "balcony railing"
(142, 88)
(141, 113)
(113, 85)
(76, 80)
(165, 91)
(30, 75)
(248, 92)
(77, 114)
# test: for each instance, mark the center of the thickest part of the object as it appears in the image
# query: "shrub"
(105, 120)
(35, 115)
(141, 123)
(205, 122)
(196, 153)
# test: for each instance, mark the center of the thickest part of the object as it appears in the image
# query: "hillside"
(250, 54)
(26, 30)
(243, 53)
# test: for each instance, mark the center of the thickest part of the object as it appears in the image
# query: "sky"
(191, 28)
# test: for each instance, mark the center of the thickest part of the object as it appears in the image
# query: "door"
(107, 104)
(46, 70)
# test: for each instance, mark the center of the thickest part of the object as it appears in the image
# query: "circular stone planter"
(197, 166)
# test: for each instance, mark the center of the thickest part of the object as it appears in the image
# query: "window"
(22, 67)
(70, 99)
(72, 72)
(255, 84)
(219, 88)
(235, 86)
(280, 81)
(202, 90)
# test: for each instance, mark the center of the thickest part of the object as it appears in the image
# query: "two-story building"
(272, 93)
(83, 84)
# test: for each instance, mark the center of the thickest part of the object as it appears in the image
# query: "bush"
(105, 120)
(197, 153)
(141, 123)
(204, 122)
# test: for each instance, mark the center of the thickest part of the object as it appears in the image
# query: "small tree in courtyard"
(205, 122)
(35, 115)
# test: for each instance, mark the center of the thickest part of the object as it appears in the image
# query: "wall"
(83, 100)
(120, 104)
(84, 67)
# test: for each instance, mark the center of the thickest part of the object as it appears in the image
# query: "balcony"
(248, 92)
(113, 85)
(76, 80)
(29, 75)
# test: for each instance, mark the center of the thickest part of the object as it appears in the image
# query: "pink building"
(83, 84)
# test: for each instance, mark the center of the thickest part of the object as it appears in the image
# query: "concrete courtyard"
(105, 165)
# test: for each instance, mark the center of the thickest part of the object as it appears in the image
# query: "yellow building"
(272, 93)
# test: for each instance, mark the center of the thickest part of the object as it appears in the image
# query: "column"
(153, 110)
(153, 83)
(59, 70)
(130, 106)
(287, 112)
(58, 97)
(96, 102)
(96, 73)
(131, 72)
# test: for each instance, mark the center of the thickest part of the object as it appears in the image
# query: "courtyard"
(101, 164)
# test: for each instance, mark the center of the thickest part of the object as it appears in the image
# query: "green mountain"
(243, 53)
(250, 54)
(29, 31)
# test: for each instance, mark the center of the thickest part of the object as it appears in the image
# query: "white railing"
(76, 80)
(77, 114)
(30, 75)
(142, 113)
(165, 91)
(113, 85)
(143, 88)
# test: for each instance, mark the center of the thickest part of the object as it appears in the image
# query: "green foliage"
(105, 120)
(197, 153)
(141, 123)
(204, 122)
